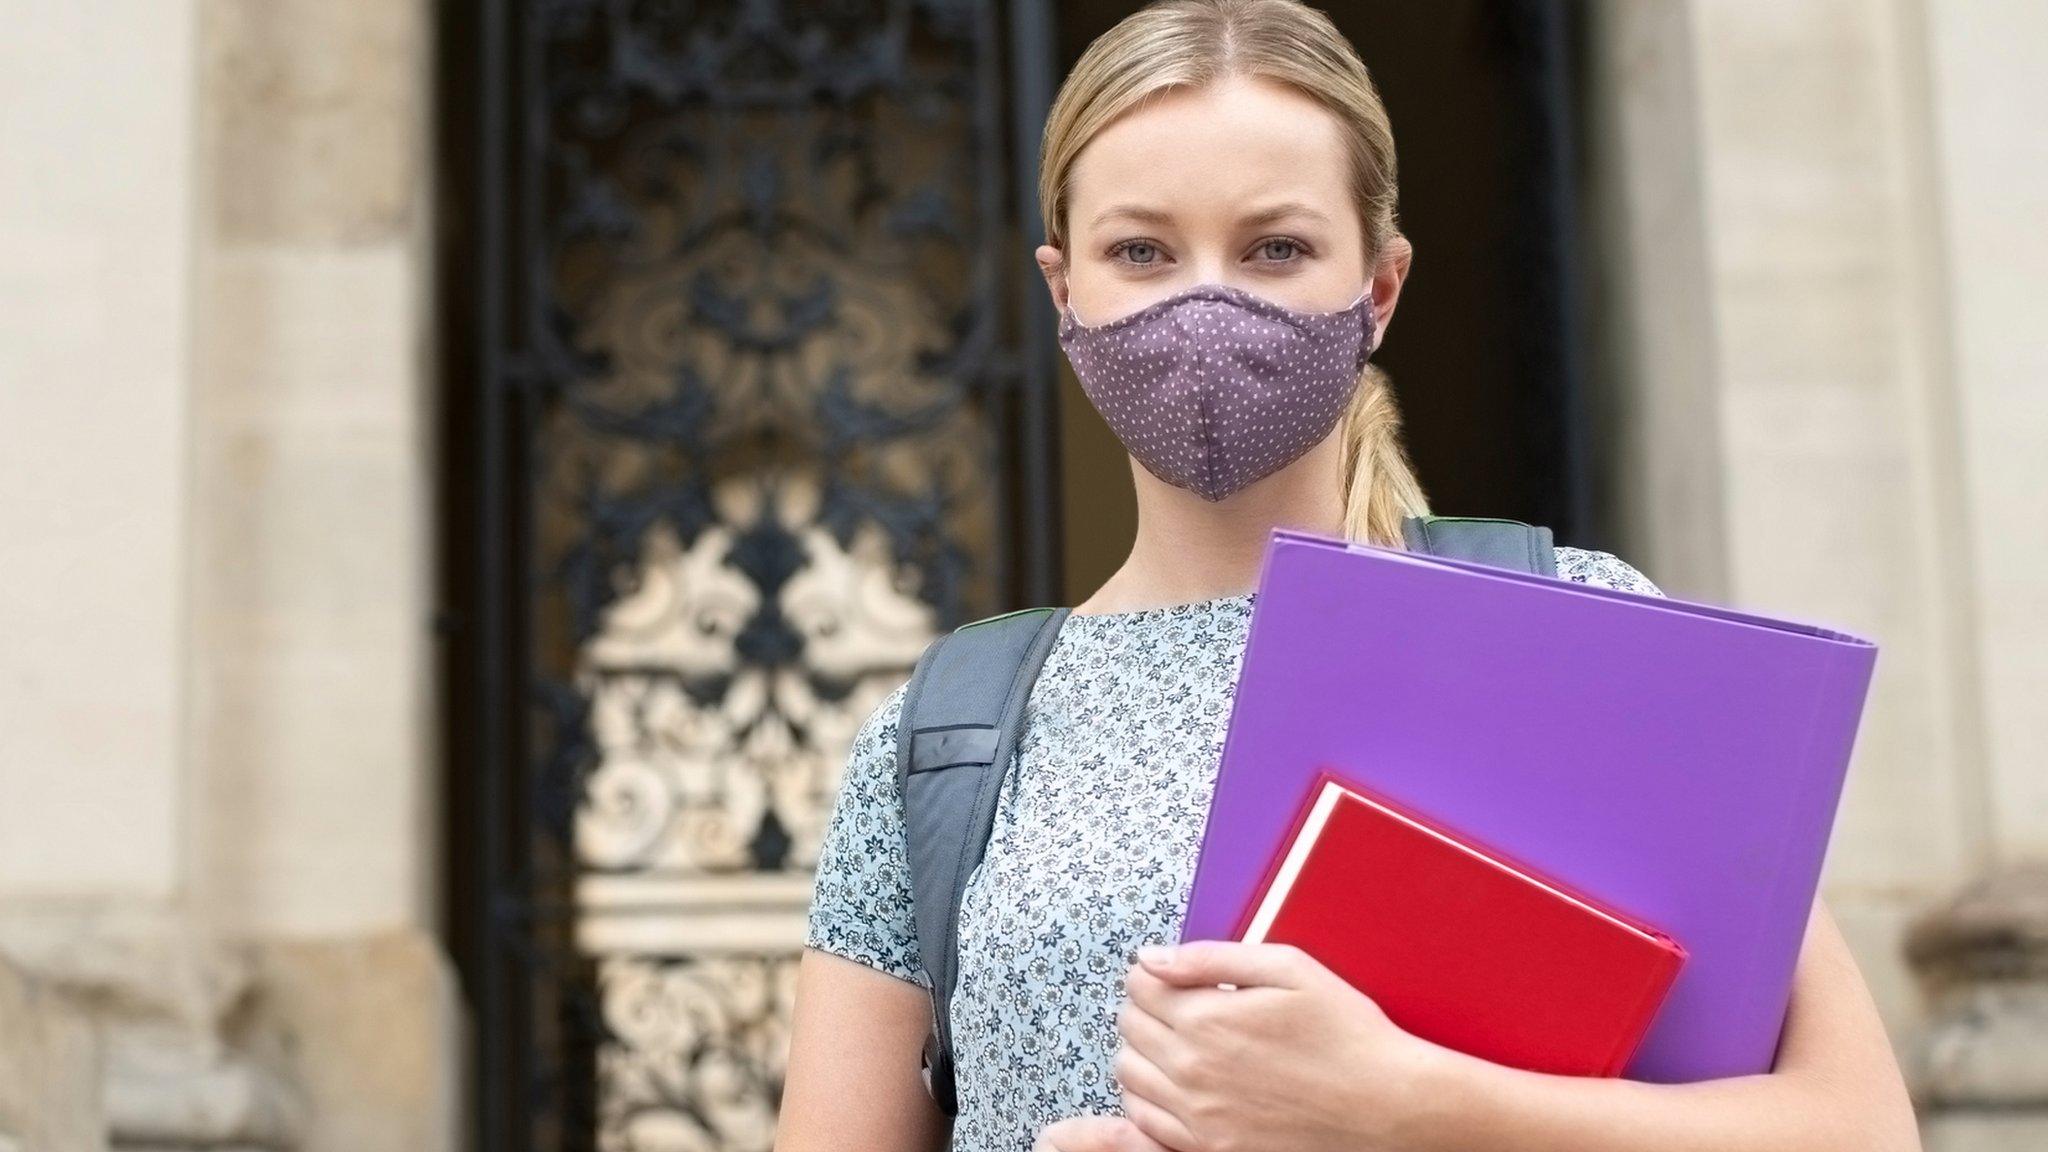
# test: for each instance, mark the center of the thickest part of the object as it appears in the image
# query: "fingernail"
(1156, 954)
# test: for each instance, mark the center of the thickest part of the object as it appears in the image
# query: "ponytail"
(1379, 483)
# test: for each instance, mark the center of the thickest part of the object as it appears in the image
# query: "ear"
(1387, 279)
(1052, 264)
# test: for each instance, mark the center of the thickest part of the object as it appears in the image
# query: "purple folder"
(1681, 760)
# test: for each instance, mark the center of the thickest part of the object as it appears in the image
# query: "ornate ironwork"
(764, 408)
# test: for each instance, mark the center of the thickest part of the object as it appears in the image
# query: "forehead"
(1206, 155)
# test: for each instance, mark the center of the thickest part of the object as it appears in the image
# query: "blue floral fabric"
(1093, 851)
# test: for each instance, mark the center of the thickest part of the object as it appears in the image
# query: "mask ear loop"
(1372, 329)
(1067, 291)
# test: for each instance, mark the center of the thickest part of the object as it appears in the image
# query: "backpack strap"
(1482, 540)
(962, 712)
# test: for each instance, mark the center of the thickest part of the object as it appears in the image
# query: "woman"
(1216, 172)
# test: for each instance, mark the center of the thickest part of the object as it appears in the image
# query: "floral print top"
(1093, 851)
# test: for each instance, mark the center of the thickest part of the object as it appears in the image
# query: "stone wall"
(216, 857)
(49, 1069)
(1821, 223)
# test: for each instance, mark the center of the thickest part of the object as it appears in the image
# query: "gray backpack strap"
(1482, 540)
(962, 711)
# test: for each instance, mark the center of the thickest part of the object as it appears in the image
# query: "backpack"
(963, 709)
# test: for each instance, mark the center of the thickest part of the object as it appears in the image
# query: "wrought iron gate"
(760, 403)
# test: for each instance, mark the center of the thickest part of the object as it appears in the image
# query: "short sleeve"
(860, 904)
(1589, 566)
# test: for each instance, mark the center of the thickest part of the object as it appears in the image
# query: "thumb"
(1095, 1134)
(1210, 962)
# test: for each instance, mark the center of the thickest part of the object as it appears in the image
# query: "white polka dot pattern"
(1214, 386)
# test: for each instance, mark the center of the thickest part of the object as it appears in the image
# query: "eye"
(1146, 247)
(1285, 243)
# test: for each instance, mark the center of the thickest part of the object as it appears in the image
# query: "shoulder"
(868, 793)
(871, 755)
(861, 902)
(1591, 566)
(881, 722)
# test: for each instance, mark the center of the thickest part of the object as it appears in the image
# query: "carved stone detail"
(1982, 1064)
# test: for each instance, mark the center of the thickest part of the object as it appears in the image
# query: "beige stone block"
(1839, 498)
(311, 693)
(316, 115)
(213, 1104)
(1984, 1132)
(147, 965)
(165, 1000)
(318, 765)
(1874, 923)
(95, 200)
(1981, 1070)
(49, 1070)
(328, 339)
(310, 688)
(1989, 1047)
(370, 1027)
(1989, 80)
(1656, 389)
(312, 539)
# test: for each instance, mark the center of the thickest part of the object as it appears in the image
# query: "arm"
(1835, 1086)
(853, 1080)
(1291, 1057)
(858, 1026)
(1835, 1083)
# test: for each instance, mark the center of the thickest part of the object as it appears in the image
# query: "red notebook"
(1457, 944)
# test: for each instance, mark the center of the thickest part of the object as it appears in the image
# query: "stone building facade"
(219, 866)
(217, 874)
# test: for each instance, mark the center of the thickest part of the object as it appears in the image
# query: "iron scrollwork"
(761, 373)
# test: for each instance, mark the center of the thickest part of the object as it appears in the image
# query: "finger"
(1152, 1037)
(1211, 962)
(1070, 1135)
(1093, 1134)
(1148, 990)
(1142, 1082)
(1177, 1007)
(1161, 1128)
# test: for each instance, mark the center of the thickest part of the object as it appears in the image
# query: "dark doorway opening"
(741, 402)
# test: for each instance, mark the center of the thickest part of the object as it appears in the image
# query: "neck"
(1188, 548)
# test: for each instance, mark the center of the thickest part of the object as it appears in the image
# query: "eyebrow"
(1263, 216)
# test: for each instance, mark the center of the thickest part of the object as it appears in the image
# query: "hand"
(1291, 1058)
(1095, 1134)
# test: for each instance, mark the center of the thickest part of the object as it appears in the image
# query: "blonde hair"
(1173, 43)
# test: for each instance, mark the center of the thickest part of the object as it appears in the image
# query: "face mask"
(1215, 387)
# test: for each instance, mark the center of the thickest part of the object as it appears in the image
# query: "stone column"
(1822, 233)
(311, 730)
(1982, 957)
(216, 776)
(1782, 391)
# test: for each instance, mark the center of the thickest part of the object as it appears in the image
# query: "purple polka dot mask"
(1215, 387)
